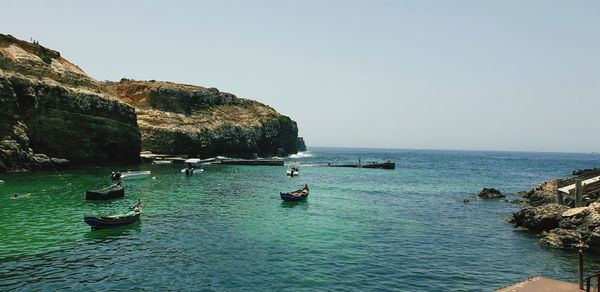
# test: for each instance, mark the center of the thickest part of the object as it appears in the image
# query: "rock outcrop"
(204, 122)
(545, 193)
(541, 218)
(490, 193)
(300, 145)
(563, 227)
(53, 114)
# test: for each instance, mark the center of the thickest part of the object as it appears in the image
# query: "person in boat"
(304, 191)
(138, 207)
(118, 185)
(115, 175)
(14, 197)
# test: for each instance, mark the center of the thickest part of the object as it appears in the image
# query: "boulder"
(545, 193)
(545, 217)
(563, 238)
(490, 193)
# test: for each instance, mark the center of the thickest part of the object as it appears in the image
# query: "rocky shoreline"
(559, 225)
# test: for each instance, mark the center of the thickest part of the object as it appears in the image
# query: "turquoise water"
(227, 229)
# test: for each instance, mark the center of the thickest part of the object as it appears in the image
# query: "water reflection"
(301, 204)
(111, 234)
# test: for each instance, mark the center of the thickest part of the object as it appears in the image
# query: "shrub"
(124, 79)
(47, 59)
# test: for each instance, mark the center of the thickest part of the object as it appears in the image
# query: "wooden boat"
(130, 174)
(293, 171)
(113, 221)
(299, 195)
(116, 191)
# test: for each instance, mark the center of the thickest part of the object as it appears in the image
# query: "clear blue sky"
(484, 75)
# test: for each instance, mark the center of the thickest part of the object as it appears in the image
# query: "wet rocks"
(563, 227)
(563, 238)
(490, 193)
(519, 202)
(540, 218)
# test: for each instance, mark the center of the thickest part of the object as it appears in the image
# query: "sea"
(226, 228)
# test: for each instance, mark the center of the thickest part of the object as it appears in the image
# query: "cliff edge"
(205, 122)
(53, 114)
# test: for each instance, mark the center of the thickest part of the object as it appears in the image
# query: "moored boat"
(193, 162)
(299, 195)
(116, 191)
(130, 174)
(293, 171)
(113, 221)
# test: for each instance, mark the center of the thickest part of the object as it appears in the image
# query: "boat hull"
(291, 198)
(111, 222)
(108, 194)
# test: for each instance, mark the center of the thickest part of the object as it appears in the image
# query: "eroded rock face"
(54, 115)
(204, 122)
(545, 217)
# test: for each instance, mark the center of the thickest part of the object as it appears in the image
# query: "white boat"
(130, 174)
(293, 171)
(161, 162)
(191, 170)
(193, 162)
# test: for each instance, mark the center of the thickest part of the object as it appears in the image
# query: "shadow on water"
(302, 204)
(110, 234)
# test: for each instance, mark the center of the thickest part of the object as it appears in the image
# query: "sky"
(464, 75)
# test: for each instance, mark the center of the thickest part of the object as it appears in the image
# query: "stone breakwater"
(204, 122)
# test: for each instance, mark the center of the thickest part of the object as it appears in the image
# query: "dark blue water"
(226, 228)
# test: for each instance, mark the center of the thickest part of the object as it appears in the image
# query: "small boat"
(193, 162)
(299, 195)
(112, 192)
(190, 171)
(161, 162)
(113, 221)
(130, 174)
(293, 171)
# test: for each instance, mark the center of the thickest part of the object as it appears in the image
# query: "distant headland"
(55, 115)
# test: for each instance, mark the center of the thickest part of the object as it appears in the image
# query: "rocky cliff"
(204, 122)
(53, 114)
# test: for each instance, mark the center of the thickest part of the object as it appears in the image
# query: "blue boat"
(113, 221)
(299, 195)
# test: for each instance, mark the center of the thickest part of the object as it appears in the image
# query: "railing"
(588, 280)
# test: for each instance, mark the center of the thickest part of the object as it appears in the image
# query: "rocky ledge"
(54, 115)
(205, 122)
(561, 226)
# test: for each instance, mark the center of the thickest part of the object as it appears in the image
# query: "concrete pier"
(541, 284)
